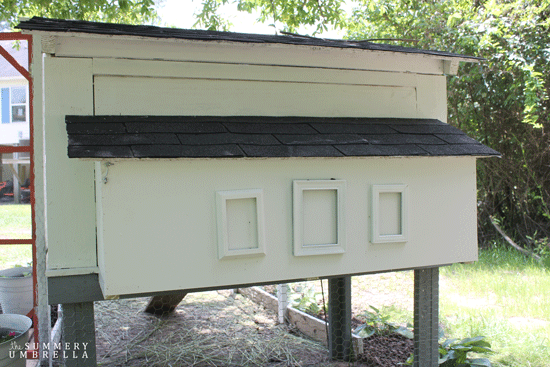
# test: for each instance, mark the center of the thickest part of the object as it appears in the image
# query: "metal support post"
(426, 317)
(282, 298)
(339, 318)
(78, 338)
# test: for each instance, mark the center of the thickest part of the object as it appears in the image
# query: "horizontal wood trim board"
(241, 53)
(150, 96)
(86, 288)
(202, 70)
(311, 326)
(29, 241)
(12, 149)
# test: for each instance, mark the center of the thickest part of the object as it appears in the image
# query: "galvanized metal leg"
(339, 318)
(78, 335)
(426, 317)
(282, 298)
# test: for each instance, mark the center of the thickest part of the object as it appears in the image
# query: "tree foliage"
(113, 11)
(502, 101)
(288, 15)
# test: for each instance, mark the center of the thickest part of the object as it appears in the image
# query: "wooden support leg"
(160, 305)
(78, 335)
(339, 318)
(426, 317)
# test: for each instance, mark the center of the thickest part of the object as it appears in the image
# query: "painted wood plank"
(42, 309)
(70, 212)
(173, 96)
(181, 214)
(208, 70)
(432, 97)
(239, 53)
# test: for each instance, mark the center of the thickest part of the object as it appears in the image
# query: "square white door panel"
(319, 217)
(389, 213)
(240, 220)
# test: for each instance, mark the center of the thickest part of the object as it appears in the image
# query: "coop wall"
(110, 75)
(159, 227)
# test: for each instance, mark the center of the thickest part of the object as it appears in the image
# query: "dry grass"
(225, 329)
(207, 329)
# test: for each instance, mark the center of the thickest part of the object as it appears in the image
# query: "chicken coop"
(187, 160)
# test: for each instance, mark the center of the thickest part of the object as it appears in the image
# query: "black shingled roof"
(57, 25)
(260, 136)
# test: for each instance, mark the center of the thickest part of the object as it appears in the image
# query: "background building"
(14, 114)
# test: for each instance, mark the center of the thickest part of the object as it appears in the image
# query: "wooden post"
(426, 317)
(160, 305)
(339, 318)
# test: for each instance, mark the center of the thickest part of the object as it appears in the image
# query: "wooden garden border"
(310, 326)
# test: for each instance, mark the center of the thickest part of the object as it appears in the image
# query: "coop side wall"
(160, 230)
(70, 200)
(107, 75)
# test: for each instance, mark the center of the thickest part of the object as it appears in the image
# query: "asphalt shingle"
(263, 136)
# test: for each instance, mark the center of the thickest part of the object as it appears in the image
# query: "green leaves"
(287, 15)
(405, 331)
(210, 17)
(306, 299)
(455, 353)
(454, 19)
(376, 323)
(365, 330)
(114, 11)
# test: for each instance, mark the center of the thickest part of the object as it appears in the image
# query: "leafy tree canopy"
(287, 14)
(114, 11)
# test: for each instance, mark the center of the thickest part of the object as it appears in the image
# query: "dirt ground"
(224, 329)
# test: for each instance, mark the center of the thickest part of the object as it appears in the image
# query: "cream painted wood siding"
(158, 216)
(158, 226)
(69, 196)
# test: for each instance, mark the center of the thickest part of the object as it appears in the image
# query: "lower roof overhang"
(107, 137)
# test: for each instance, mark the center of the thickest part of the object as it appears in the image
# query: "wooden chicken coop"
(186, 160)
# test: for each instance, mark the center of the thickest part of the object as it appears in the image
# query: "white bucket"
(16, 296)
(13, 352)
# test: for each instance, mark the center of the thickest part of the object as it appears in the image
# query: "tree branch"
(511, 242)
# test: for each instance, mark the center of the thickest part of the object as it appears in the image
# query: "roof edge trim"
(112, 29)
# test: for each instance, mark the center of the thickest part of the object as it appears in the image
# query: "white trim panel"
(240, 219)
(325, 218)
(396, 212)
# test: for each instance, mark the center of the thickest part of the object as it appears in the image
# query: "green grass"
(15, 223)
(11, 255)
(505, 296)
